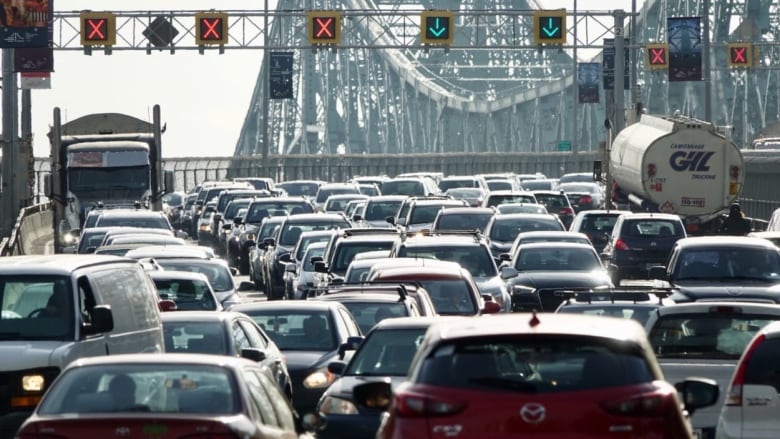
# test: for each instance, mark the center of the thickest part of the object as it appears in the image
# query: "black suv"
(722, 268)
(343, 247)
(640, 241)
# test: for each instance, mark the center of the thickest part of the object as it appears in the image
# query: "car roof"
(315, 217)
(467, 211)
(171, 251)
(725, 241)
(427, 273)
(650, 215)
(708, 307)
(163, 358)
(178, 274)
(522, 216)
(199, 316)
(442, 238)
(423, 263)
(407, 322)
(290, 305)
(622, 330)
(58, 264)
(361, 297)
(552, 234)
(556, 245)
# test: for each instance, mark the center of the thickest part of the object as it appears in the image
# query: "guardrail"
(28, 229)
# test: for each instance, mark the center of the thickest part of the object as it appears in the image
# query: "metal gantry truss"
(492, 90)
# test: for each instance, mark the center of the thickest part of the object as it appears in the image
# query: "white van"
(58, 308)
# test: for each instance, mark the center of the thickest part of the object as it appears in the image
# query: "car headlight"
(319, 379)
(337, 406)
(69, 238)
(33, 383)
(522, 289)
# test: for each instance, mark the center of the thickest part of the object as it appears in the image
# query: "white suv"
(750, 409)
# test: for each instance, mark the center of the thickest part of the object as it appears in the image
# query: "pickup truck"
(705, 339)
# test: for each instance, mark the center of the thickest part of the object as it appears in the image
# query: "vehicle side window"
(763, 368)
(240, 340)
(284, 414)
(254, 335)
(349, 321)
(260, 397)
(86, 299)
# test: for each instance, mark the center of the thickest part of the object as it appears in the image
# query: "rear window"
(535, 364)
(598, 223)
(711, 335)
(412, 188)
(495, 200)
(655, 228)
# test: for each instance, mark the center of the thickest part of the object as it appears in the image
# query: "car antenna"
(534, 322)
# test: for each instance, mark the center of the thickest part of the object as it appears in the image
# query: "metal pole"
(26, 181)
(620, 68)
(575, 141)
(10, 201)
(634, 57)
(705, 59)
(266, 87)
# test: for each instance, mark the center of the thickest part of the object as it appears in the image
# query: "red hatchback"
(550, 376)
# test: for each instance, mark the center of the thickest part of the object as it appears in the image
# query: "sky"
(203, 98)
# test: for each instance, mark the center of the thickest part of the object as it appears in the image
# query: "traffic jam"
(420, 305)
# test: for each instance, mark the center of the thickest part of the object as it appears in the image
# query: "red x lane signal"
(98, 29)
(740, 55)
(657, 56)
(324, 27)
(211, 28)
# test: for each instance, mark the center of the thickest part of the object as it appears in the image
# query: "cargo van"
(58, 308)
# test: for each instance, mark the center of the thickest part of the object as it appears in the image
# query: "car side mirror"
(357, 217)
(227, 226)
(166, 305)
(337, 367)
(504, 257)
(291, 267)
(508, 272)
(285, 257)
(234, 271)
(320, 267)
(217, 217)
(254, 354)
(697, 393)
(351, 345)
(658, 272)
(269, 242)
(101, 320)
(390, 220)
(246, 285)
(313, 422)
(491, 308)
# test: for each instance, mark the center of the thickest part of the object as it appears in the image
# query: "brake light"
(585, 199)
(651, 404)
(692, 228)
(621, 245)
(725, 309)
(413, 405)
(566, 211)
(211, 436)
(734, 394)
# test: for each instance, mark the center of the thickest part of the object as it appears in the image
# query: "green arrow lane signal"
(437, 27)
(437, 30)
(549, 27)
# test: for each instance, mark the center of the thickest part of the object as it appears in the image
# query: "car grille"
(548, 298)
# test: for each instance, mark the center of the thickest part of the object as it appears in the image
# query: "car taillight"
(412, 405)
(211, 436)
(566, 211)
(651, 404)
(585, 199)
(21, 435)
(734, 395)
(621, 245)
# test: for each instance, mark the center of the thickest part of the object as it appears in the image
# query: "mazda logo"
(533, 413)
(122, 431)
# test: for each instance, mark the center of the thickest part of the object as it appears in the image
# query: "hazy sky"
(203, 98)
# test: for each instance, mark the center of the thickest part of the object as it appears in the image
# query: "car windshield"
(291, 232)
(324, 193)
(36, 308)
(346, 252)
(218, 275)
(156, 222)
(379, 210)
(729, 264)
(189, 294)
(495, 200)
(706, 335)
(300, 189)
(507, 229)
(313, 252)
(305, 242)
(386, 352)
(369, 313)
(535, 364)
(259, 210)
(424, 214)
(474, 258)
(156, 388)
(450, 297)
(297, 330)
(557, 259)
(463, 222)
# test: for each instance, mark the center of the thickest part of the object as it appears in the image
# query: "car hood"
(562, 279)
(741, 290)
(343, 386)
(302, 360)
(19, 355)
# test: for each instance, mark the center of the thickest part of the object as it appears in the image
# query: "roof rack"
(401, 287)
(635, 294)
(370, 231)
(476, 233)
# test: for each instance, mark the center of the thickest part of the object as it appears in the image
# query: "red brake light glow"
(586, 199)
(651, 404)
(413, 405)
(621, 245)
(566, 211)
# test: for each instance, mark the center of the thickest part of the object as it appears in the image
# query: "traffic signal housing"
(97, 28)
(211, 28)
(324, 27)
(436, 27)
(657, 56)
(550, 27)
(740, 55)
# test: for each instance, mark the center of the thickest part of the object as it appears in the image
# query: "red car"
(546, 376)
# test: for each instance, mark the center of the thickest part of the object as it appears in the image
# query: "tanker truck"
(674, 164)
(103, 160)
